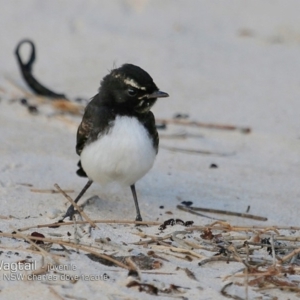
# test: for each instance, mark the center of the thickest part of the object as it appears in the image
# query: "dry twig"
(55, 293)
(224, 212)
(82, 213)
(204, 125)
(49, 191)
(65, 243)
(194, 151)
(53, 225)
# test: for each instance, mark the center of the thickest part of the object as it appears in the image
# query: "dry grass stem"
(68, 244)
(223, 212)
(194, 151)
(149, 223)
(191, 211)
(179, 250)
(289, 256)
(39, 247)
(82, 213)
(269, 255)
(55, 293)
(204, 125)
(49, 191)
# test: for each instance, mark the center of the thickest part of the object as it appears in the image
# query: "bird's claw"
(70, 213)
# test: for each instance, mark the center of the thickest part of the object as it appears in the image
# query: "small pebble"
(187, 203)
(213, 166)
(53, 213)
(133, 273)
(161, 126)
(33, 109)
(181, 116)
(92, 200)
(24, 101)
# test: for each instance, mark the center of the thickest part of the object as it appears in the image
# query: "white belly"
(124, 155)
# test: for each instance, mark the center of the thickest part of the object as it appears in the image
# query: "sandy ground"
(233, 62)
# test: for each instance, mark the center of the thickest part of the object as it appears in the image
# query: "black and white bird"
(117, 139)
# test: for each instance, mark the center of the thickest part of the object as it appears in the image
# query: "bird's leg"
(70, 211)
(138, 213)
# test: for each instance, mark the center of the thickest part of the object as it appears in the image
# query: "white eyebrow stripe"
(133, 83)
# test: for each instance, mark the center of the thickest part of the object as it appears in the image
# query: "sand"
(235, 62)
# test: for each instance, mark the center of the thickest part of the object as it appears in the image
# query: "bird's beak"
(158, 94)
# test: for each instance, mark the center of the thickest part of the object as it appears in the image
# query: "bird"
(117, 139)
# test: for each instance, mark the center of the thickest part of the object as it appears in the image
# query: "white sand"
(233, 62)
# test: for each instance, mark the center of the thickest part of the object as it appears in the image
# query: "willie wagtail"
(117, 140)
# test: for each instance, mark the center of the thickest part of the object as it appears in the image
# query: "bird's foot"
(70, 213)
(139, 219)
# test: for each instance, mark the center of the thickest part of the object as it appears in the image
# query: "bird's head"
(131, 88)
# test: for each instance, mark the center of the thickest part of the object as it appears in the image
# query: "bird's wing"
(148, 121)
(96, 119)
(85, 128)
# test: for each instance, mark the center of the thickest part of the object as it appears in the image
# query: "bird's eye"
(131, 92)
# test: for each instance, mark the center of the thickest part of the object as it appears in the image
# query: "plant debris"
(187, 203)
(26, 70)
(172, 222)
(153, 290)
(144, 287)
(267, 257)
(185, 122)
(213, 166)
(142, 261)
(37, 234)
(225, 212)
